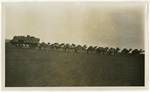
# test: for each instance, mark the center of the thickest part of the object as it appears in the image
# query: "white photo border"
(147, 41)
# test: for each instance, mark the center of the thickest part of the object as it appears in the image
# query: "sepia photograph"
(74, 44)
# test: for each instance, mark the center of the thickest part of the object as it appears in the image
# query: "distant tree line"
(33, 42)
(25, 42)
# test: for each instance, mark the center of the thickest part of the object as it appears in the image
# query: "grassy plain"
(35, 67)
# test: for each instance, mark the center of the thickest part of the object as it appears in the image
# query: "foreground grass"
(33, 67)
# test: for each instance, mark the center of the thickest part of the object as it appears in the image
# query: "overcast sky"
(102, 24)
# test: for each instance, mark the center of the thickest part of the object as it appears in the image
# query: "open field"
(35, 67)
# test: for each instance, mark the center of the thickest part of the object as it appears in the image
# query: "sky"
(92, 23)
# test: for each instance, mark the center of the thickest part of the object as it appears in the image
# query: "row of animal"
(82, 49)
(91, 49)
(33, 42)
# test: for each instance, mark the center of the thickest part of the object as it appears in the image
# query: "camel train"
(33, 42)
